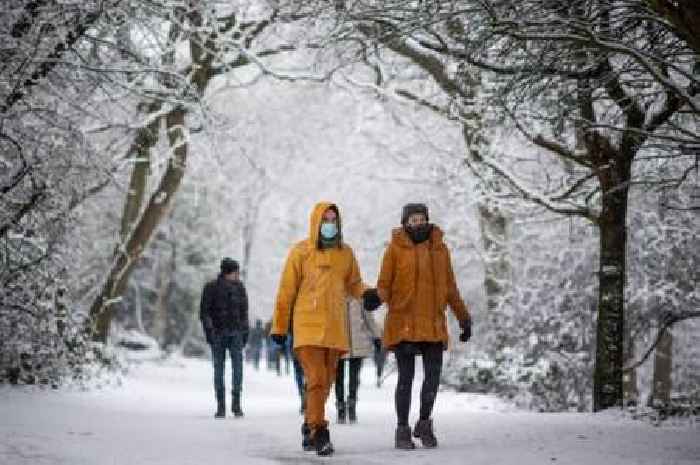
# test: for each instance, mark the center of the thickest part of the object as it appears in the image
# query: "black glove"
(466, 326)
(244, 337)
(371, 300)
(279, 339)
(377, 344)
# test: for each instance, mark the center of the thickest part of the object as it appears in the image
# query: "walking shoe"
(307, 443)
(403, 438)
(340, 406)
(322, 441)
(424, 431)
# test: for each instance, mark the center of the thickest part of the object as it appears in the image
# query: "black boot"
(424, 431)
(306, 443)
(352, 414)
(322, 441)
(220, 405)
(403, 438)
(341, 411)
(236, 405)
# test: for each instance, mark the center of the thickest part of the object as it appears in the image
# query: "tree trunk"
(630, 390)
(101, 311)
(494, 236)
(607, 378)
(663, 368)
(140, 152)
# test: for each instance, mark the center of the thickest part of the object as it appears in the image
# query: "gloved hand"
(279, 339)
(370, 299)
(244, 337)
(466, 326)
(377, 344)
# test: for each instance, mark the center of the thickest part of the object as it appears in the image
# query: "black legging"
(354, 364)
(405, 353)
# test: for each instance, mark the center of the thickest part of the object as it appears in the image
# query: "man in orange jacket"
(319, 274)
(417, 283)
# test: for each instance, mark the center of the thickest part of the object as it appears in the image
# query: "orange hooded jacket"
(417, 282)
(313, 289)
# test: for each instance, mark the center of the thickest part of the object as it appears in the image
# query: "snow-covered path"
(163, 415)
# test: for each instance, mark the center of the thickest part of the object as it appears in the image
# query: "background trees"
(555, 141)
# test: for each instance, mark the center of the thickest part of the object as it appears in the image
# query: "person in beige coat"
(364, 338)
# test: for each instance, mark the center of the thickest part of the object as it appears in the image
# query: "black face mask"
(419, 233)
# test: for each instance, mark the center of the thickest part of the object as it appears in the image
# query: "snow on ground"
(163, 414)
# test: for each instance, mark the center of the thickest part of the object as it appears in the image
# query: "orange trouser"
(320, 365)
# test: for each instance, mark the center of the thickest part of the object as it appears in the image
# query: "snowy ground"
(163, 415)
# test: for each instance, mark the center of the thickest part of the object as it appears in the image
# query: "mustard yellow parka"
(416, 282)
(313, 289)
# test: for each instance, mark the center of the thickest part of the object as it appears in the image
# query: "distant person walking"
(364, 337)
(255, 342)
(223, 312)
(318, 276)
(417, 283)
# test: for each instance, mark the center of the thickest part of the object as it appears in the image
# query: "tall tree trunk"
(140, 153)
(607, 378)
(102, 309)
(630, 390)
(663, 369)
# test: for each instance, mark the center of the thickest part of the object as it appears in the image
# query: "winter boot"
(340, 406)
(424, 431)
(220, 405)
(403, 438)
(352, 414)
(236, 405)
(306, 443)
(322, 441)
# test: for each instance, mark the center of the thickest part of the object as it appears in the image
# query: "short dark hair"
(229, 265)
(411, 208)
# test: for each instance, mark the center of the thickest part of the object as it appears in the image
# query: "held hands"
(466, 326)
(244, 337)
(279, 339)
(371, 300)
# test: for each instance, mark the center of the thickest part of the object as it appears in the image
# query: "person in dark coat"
(224, 315)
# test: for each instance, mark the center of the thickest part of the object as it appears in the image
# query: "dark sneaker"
(322, 441)
(424, 431)
(306, 442)
(403, 438)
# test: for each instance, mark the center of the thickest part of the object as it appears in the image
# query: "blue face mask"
(329, 230)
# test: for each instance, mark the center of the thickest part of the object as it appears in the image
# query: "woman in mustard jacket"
(319, 275)
(417, 283)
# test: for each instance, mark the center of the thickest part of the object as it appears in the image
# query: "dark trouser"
(354, 365)
(232, 344)
(405, 353)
